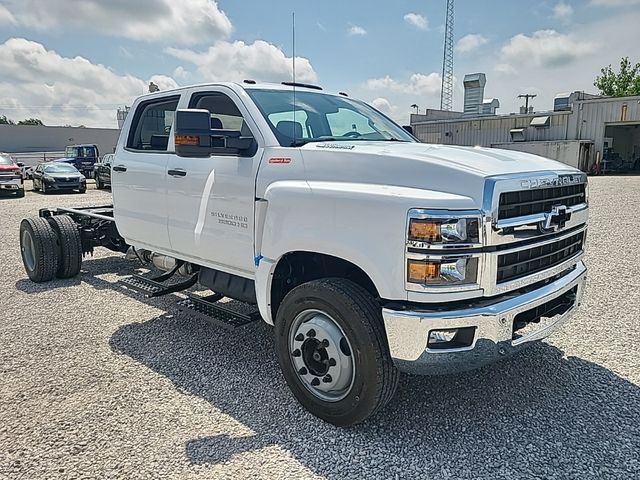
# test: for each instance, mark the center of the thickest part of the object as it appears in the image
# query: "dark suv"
(102, 171)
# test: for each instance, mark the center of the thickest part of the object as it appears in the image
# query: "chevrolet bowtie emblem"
(557, 217)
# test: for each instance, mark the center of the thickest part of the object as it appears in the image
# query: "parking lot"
(97, 382)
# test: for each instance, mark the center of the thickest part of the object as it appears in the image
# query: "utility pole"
(446, 95)
(416, 107)
(526, 97)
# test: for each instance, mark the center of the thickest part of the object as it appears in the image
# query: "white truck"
(370, 253)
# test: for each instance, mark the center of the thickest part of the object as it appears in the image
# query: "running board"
(209, 308)
(153, 287)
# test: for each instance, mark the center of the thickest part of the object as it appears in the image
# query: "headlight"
(447, 271)
(47, 178)
(444, 230)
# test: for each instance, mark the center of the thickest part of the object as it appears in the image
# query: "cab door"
(211, 212)
(139, 174)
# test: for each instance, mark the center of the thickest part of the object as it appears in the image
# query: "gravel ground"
(95, 383)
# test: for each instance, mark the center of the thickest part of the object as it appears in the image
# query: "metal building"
(586, 130)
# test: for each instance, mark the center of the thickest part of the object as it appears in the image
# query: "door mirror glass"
(194, 136)
(20, 164)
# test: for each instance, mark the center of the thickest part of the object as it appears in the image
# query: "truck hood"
(460, 171)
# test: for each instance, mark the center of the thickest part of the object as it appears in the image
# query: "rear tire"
(38, 246)
(69, 246)
(362, 354)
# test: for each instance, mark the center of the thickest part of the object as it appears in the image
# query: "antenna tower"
(446, 96)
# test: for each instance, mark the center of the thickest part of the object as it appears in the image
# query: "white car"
(370, 253)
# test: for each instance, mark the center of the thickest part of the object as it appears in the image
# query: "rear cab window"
(152, 123)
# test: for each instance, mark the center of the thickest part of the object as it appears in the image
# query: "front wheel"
(333, 351)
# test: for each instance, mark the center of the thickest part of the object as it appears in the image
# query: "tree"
(624, 83)
(31, 121)
(5, 121)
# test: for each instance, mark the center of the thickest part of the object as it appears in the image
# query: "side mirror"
(20, 164)
(194, 136)
(408, 128)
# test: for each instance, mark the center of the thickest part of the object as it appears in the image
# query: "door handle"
(177, 172)
(119, 168)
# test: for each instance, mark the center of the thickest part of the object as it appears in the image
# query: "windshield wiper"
(303, 141)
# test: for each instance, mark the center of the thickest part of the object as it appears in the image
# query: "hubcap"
(321, 355)
(28, 250)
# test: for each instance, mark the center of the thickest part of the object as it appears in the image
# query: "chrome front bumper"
(408, 331)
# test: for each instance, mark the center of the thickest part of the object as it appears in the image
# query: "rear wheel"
(38, 246)
(333, 351)
(69, 245)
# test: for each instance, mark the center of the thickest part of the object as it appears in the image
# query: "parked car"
(102, 171)
(83, 157)
(10, 175)
(58, 177)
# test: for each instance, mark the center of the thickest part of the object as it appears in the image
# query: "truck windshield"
(321, 117)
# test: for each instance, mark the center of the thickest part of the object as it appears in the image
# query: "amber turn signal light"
(188, 140)
(422, 272)
(424, 230)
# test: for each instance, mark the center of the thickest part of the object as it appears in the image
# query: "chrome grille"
(542, 200)
(522, 263)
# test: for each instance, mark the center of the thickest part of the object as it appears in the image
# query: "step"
(153, 288)
(211, 309)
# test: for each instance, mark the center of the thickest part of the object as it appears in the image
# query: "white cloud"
(562, 11)
(419, 21)
(470, 42)
(37, 82)
(382, 104)
(545, 48)
(417, 84)
(158, 21)
(236, 61)
(356, 30)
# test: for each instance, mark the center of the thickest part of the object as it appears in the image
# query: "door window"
(152, 125)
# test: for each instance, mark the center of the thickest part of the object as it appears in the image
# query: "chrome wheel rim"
(321, 355)
(28, 250)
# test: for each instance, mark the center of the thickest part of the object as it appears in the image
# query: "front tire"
(333, 351)
(20, 193)
(38, 246)
(99, 184)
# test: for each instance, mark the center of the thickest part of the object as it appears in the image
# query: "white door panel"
(211, 212)
(140, 194)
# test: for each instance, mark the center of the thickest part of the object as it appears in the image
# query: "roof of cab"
(243, 85)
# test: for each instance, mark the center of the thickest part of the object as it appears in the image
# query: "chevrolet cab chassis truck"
(370, 253)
